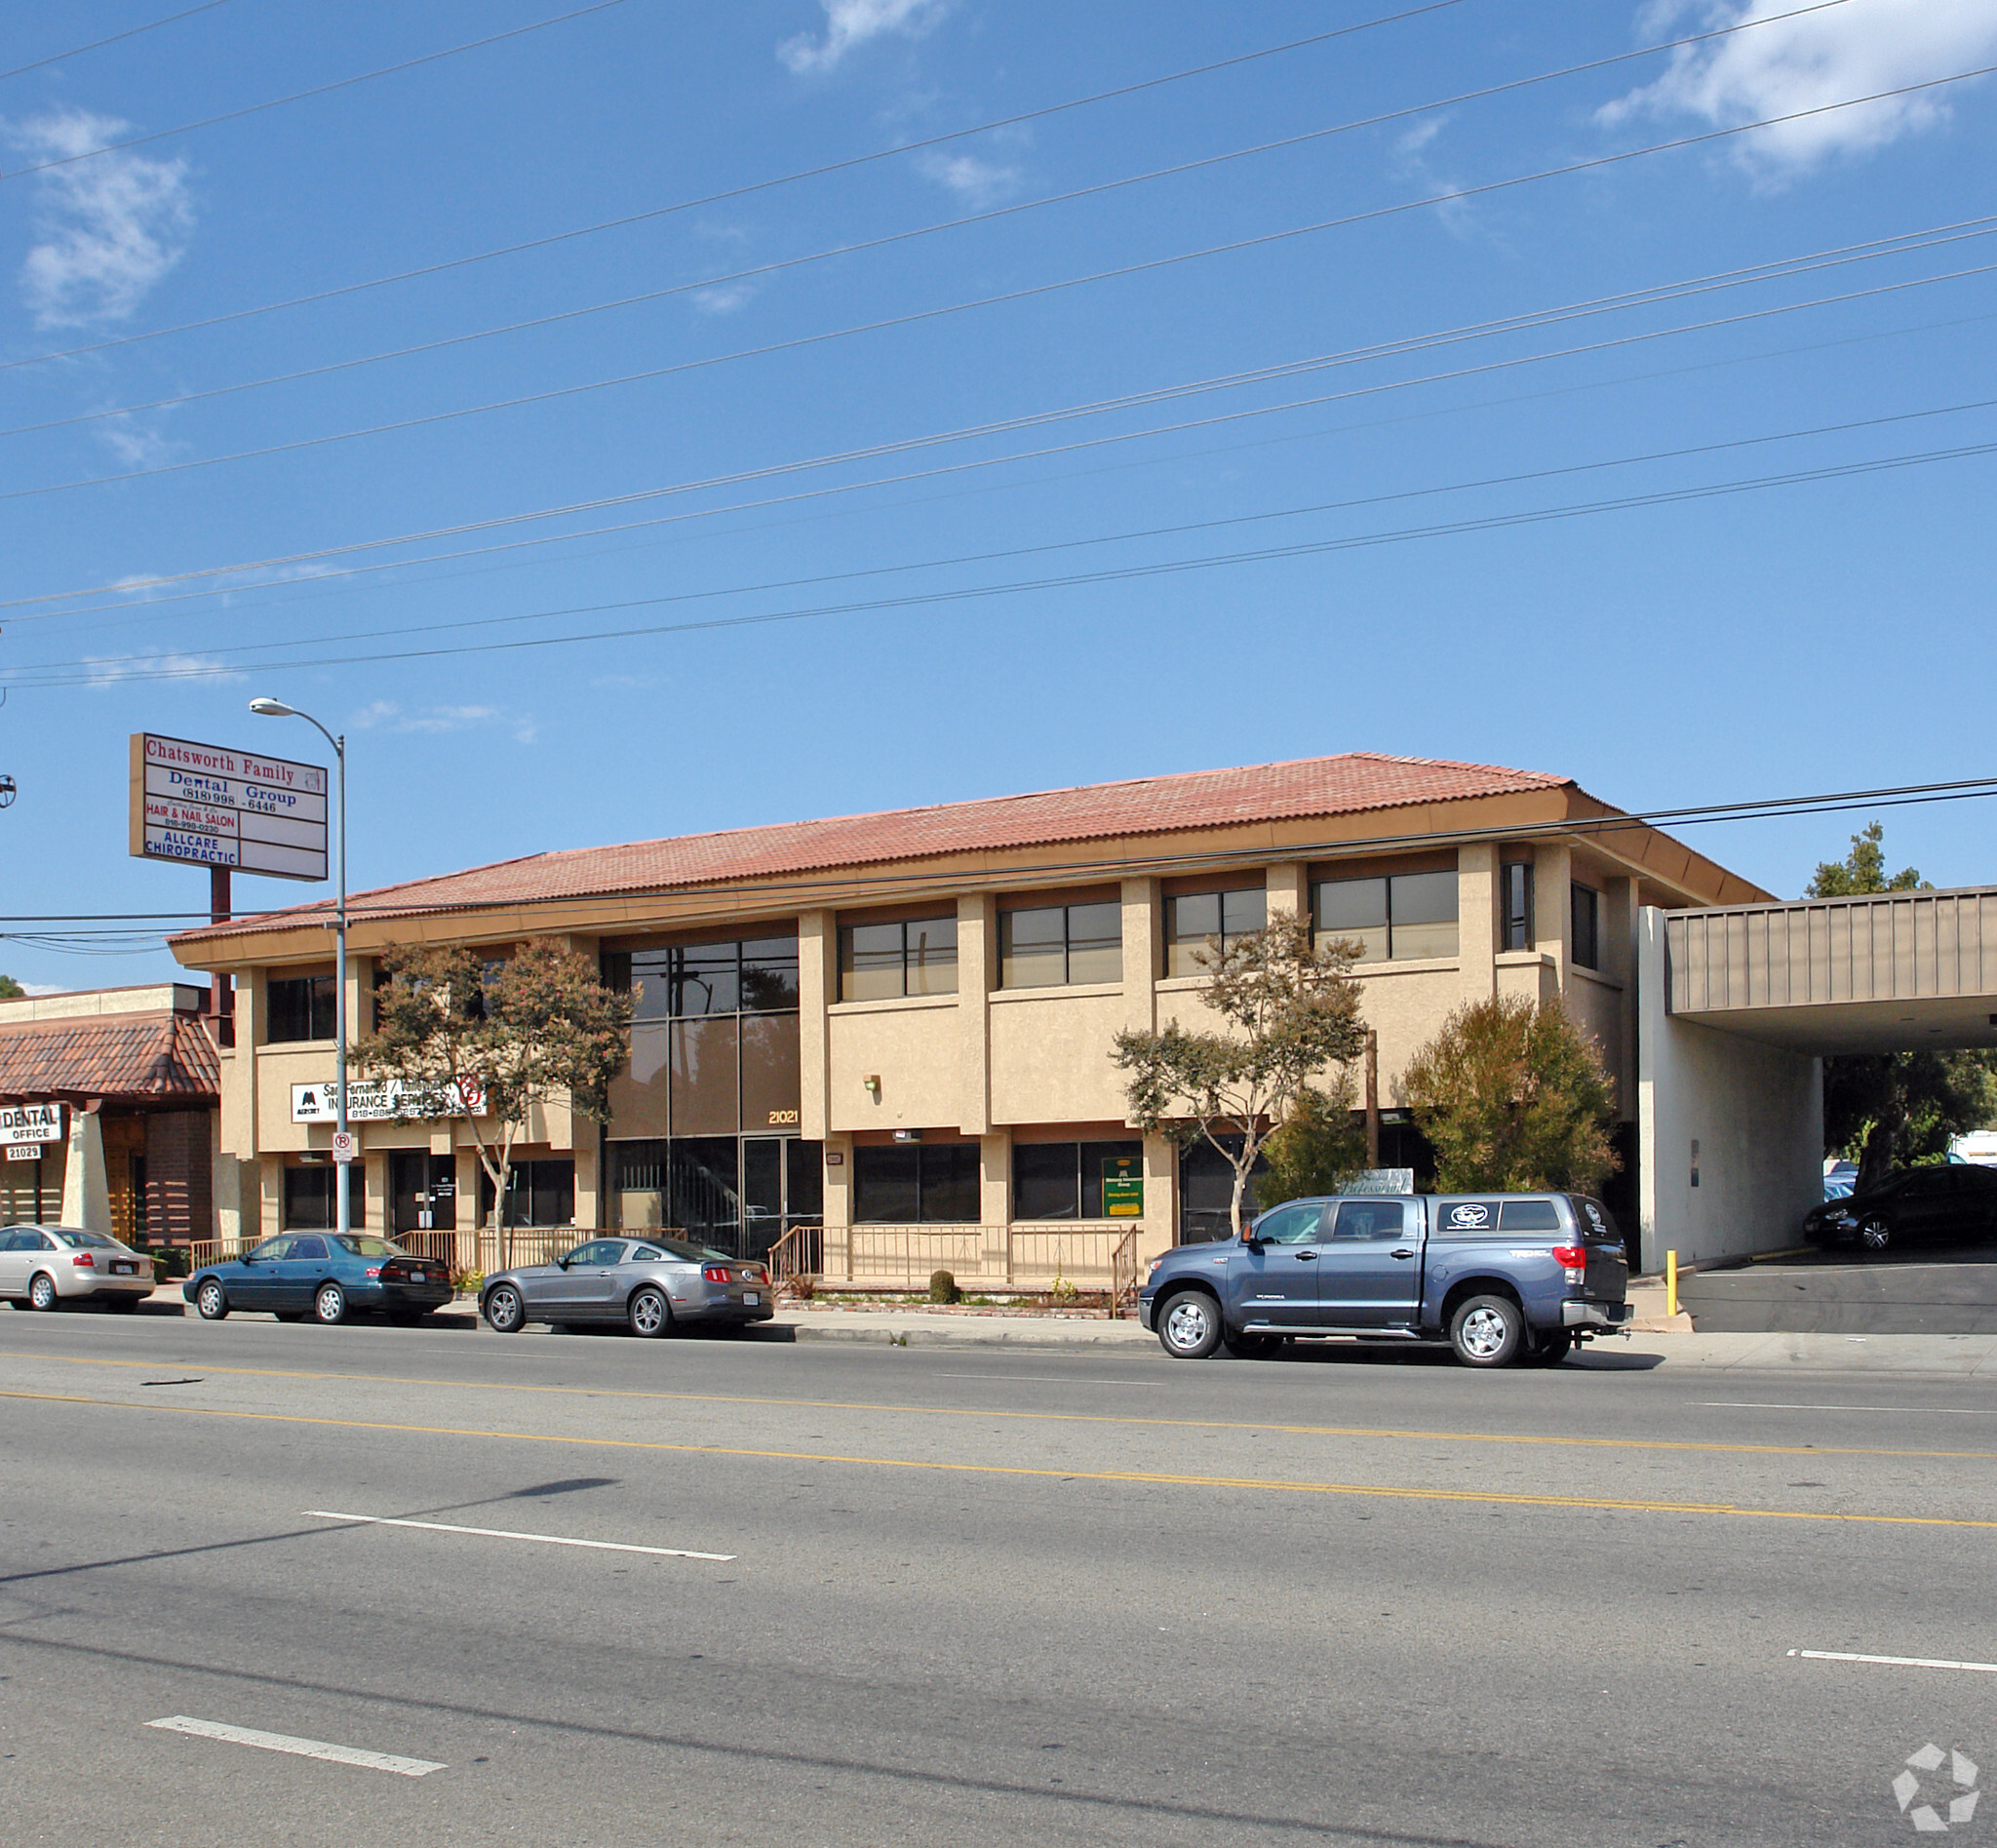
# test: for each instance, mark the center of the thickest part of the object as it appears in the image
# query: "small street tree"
(1886, 1109)
(1288, 1011)
(1316, 1148)
(459, 1033)
(1514, 1098)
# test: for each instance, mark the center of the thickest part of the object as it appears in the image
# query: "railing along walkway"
(1091, 1258)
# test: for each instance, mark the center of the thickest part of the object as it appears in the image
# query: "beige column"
(994, 1178)
(1288, 891)
(817, 990)
(1553, 911)
(838, 1204)
(86, 1190)
(1143, 952)
(270, 1213)
(1160, 1225)
(375, 1187)
(977, 975)
(1479, 903)
(591, 1207)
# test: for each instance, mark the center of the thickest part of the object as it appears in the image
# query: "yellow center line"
(1146, 1478)
(1557, 1440)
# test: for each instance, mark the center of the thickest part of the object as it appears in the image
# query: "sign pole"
(343, 1171)
(221, 988)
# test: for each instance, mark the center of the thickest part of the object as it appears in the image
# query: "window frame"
(1175, 939)
(1066, 911)
(1321, 934)
(902, 925)
(1587, 898)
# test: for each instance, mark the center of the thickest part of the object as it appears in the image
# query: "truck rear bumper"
(1580, 1312)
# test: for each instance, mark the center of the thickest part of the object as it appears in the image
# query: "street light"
(277, 709)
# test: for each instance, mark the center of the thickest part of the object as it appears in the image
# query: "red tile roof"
(1311, 787)
(153, 1056)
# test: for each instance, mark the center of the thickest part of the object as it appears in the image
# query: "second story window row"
(1057, 946)
(1396, 918)
(883, 962)
(1195, 920)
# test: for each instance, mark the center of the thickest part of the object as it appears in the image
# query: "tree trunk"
(1875, 1159)
(1241, 1187)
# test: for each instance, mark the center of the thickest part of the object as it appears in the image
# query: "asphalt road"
(971, 1596)
(1918, 1292)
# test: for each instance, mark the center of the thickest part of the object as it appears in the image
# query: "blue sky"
(1826, 635)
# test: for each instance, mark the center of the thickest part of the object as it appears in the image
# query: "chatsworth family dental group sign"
(206, 804)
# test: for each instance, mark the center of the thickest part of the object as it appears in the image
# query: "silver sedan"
(43, 1266)
(648, 1285)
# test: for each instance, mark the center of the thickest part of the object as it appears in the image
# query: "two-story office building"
(898, 1025)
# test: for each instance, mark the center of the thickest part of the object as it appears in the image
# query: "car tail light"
(376, 1269)
(715, 1273)
(84, 1261)
(1574, 1256)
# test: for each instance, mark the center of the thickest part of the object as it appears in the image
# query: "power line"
(862, 245)
(1073, 580)
(300, 95)
(1781, 269)
(97, 44)
(755, 186)
(1174, 531)
(1229, 248)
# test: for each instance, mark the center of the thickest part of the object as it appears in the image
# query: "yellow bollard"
(1670, 1282)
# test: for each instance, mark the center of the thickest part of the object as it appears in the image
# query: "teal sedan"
(321, 1275)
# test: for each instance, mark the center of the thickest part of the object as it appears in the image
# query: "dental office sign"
(25, 1128)
(388, 1100)
(205, 805)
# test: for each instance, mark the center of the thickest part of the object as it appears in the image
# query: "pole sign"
(1123, 1186)
(344, 1146)
(1381, 1181)
(205, 805)
(387, 1100)
(23, 1124)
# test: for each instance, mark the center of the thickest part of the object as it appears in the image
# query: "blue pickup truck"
(1504, 1279)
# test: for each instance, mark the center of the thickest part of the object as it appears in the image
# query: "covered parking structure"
(1738, 1007)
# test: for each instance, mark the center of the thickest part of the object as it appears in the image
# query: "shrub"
(466, 1280)
(943, 1288)
(802, 1287)
(1061, 1291)
(170, 1261)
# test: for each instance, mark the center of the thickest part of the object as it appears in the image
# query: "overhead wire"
(301, 95)
(1779, 269)
(1452, 196)
(900, 148)
(858, 247)
(97, 44)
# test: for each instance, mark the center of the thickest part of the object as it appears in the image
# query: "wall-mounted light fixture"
(873, 1083)
(908, 1135)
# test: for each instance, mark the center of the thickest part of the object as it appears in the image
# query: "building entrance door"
(423, 1190)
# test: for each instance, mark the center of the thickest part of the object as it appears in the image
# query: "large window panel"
(870, 961)
(703, 1189)
(705, 1078)
(1033, 948)
(1093, 1156)
(299, 1008)
(1045, 1181)
(950, 1183)
(1354, 909)
(1194, 920)
(706, 979)
(1095, 943)
(804, 1179)
(929, 956)
(769, 975)
(1422, 909)
(309, 1198)
(888, 1185)
(638, 1094)
(638, 1185)
(772, 1087)
(1587, 948)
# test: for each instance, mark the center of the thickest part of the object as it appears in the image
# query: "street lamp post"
(277, 709)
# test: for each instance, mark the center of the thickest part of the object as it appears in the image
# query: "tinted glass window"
(1370, 1219)
(705, 979)
(883, 962)
(1033, 948)
(769, 975)
(1046, 1180)
(313, 1249)
(94, 1241)
(1587, 948)
(1295, 1224)
(1354, 909)
(887, 1186)
(645, 1254)
(370, 1248)
(299, 1008)
(1421, 915)
(1460, 1216)
(1193, 921)
(1529, 1216)
(270, 1250)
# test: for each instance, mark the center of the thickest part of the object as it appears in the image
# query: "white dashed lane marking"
(297, 1748)
(501, 1533)
(1895, 1661)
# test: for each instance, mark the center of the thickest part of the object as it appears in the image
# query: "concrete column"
(1553, 910)
(86, 1192)
(994, 1178)
(839, 1205)
(374, 1184)
(1288, 891)
(817, 990)
(1479, 917)
(1143, 954)
(270, 1182)
(977, 975)
(590, 1204)
(1160, 1225)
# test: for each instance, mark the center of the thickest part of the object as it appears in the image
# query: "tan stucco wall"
(1050, 1055)
(912, 1046)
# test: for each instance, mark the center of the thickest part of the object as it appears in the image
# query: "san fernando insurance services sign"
(206, 804)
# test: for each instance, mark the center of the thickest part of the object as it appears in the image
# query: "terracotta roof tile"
(1311, 787)
(119, 1055)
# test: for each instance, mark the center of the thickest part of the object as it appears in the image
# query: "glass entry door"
(424, 1191)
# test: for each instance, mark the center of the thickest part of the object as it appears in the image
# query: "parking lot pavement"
(1930, 1292)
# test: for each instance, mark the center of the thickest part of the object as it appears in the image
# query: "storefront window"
(309, 1200)
(537, 1194)
(1064, 1180)
(919, 1184)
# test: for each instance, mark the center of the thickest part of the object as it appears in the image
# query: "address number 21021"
(782, 1117)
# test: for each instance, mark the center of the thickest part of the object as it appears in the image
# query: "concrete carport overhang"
(1739, 1007)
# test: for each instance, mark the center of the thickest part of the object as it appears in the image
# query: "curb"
(1130, 1336)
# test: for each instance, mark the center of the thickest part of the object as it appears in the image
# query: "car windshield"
(690, 1253)
(360, 1247)
(95, 1241)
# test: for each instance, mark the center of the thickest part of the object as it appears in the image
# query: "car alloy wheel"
(648, 1315)
(40, 1293)
(504, 1310)
(330, 1305)
(1875, 1234)
(1189, 1325)
(211, 1300)
(1487, 1331)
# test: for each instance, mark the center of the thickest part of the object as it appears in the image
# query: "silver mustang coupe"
(647, 1283)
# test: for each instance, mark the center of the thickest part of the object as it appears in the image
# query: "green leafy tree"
(1514, 1098)
(11, 990)
(536, 1029)
(1288, 1011)
(1317, 1147)
(1885, 1109)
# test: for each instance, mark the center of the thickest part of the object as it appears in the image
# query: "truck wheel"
(1254, 1347)
(1551, 1350)
(1189, 1325)
(1487, 1331)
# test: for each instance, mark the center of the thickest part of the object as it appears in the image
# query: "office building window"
(1064, 1180)
(299, 1008)
(1193, 922)
(537, 1194)
(916, 1184)
(309, 1198)
(1588, 926)
(1056, 946)
(883, 962)
(1404, 916)
(1517, 886)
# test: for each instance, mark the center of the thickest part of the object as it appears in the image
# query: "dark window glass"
(769, 975)
(299, 1008)
(1205, 1184)
(704, 1198)
(1588, 926)
(637, 1184)
(313, 1249)
(1518, 905)
(1054, 946)
(888, 1185)
(1046, 1180)
(705, 979)
(950, 1183)
(1370, 1219)
(649, 975)
(308, 1198)
(638, 1094)
(772, 1084)
(931, 956)
(1407, 916)
(763, 1192)
(1093, 1156)
(705, 1096)
(537, 1194)
(804, 1179)
(1192, 920)
(1529, 1216)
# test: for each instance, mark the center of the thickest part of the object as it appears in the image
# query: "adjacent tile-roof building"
(155, 1056)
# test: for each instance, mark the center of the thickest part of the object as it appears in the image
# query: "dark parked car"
(324, 1275)
(648, 1285)
(1950, 1201)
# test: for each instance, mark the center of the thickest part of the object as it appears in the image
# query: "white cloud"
(851, 23)
(134, 444)
(1411, 162)
(1855, 50)
(724, 298)
(107, 229)
(108, 670)
(434, 720)
(976, 181)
